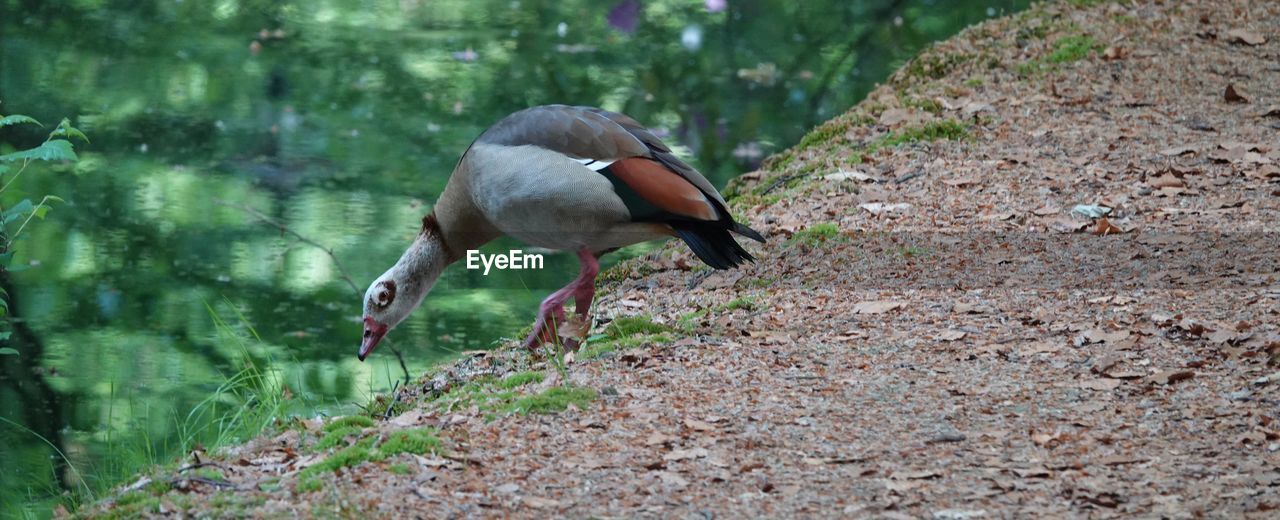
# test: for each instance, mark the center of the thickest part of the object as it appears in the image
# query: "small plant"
(56, 147)
(816, 235)
(553, 400)
(947, 129)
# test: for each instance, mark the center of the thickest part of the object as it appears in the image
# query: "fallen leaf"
(1180, 150)
(1101, 336)
(1167, 180)
(878, 208)
(845, 175)
(1067, 225)
(876, 307)
(692, 453)
(960, 181)
(951, 335)
(1100, 384)
(673, 479)
(914, 475)
(1031, 472)
(1090, 210)
(1245, 37)
(1104, 227)
(1172, 376)
(1039, 347)
(1233, 96)
(1119, 460)
(657, 438)
(695, 424)
(540, 503)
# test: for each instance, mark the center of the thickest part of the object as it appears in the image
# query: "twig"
(190, 467)
(395, 396)
(202, 480)
(780, 181)
(342, 271)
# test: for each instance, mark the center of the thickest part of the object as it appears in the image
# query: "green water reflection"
(342, 119)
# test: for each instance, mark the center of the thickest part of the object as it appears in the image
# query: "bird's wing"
(654, 184)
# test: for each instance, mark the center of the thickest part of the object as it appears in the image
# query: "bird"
(564, 178)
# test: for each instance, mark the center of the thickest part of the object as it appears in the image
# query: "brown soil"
(958, 345)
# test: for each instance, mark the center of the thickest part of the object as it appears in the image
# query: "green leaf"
(5, 335)
(65, 129)
(3, 169)
(6, 351)
(16, 212)
(16, 120)
(54, 150)
(4, 261)
(41, 211)
(55, 198)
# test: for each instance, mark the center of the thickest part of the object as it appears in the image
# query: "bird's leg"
(586, 290)
(551, 312)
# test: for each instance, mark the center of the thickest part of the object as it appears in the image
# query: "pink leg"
(551, 312)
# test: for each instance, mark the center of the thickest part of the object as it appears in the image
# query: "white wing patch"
(595, 164)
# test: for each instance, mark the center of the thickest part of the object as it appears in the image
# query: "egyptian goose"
(579, 179)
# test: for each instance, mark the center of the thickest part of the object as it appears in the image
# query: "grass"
(552, 400)
(946, 129)
(625, 333)
(247, 403)
(1067, 49)
(520, 379)
(931, 65)
(632, 325)
(417, 441)
(816, 235)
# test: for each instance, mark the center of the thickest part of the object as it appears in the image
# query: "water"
(342, 120)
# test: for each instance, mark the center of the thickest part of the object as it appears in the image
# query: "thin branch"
(284, 228)
(342, 271)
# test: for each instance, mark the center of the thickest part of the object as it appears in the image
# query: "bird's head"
(402, 288)
(388, 302)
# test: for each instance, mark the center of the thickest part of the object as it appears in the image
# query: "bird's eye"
(385, 295)
(367, 333)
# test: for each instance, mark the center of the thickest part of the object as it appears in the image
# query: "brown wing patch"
(663, 188)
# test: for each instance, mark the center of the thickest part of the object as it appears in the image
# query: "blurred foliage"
(341, 118)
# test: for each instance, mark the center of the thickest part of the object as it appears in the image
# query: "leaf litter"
(1091, 374)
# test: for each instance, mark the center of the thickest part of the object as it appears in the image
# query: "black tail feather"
(714, 245)
(745, 231)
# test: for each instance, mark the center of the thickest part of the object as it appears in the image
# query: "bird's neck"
(455, 219)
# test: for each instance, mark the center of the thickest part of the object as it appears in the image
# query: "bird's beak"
(373, 333)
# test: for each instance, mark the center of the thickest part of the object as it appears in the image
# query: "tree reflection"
(343, 119)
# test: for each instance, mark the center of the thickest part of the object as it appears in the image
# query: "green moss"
(416, 441)
(632, 325)
(689, 320)
(344, 458)
(760, 283)
(745, 302)
(336, 436)
(160, 486)
(933, 131)
(1072, 48)
(974, 82)
(934, 65)
(927, 105)
(1066, 50)
(308, 484)
(520, 379)
(817, 234)
(400, 468)
(349, 421)
(553, 400)
(1086, 3)
(599, 348)
(133, 498)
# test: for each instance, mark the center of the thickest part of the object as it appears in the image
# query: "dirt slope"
(930, 332)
